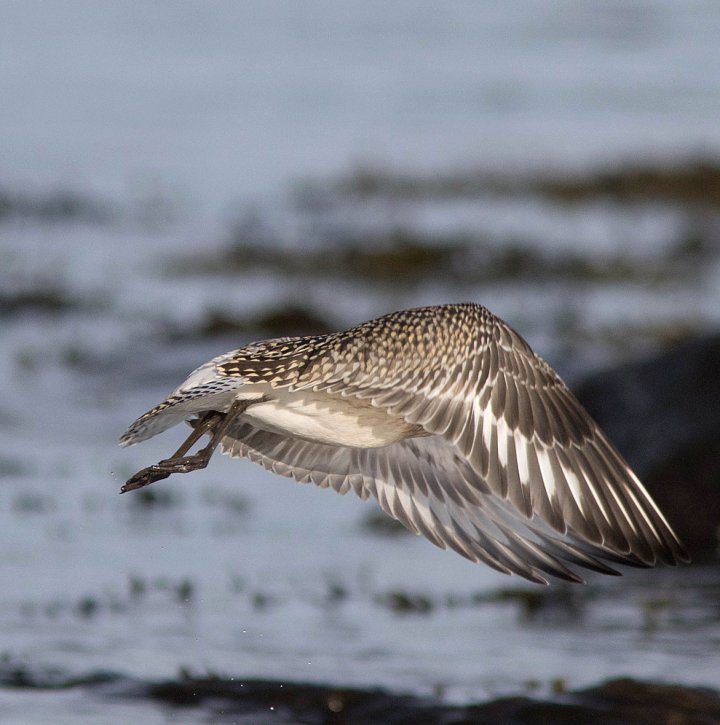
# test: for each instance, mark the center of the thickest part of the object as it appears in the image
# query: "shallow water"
(218, 105)
(182, 121)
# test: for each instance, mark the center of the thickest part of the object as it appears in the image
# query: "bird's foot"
(164, 469)
(144, 478)
(214, 423)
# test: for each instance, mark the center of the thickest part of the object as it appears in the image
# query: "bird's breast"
(332, 420)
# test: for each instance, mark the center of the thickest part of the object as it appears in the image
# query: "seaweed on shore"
(227, 698)
(692, 181)
(274, 321)
(405, 259)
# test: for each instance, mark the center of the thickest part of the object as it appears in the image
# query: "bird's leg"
(200, 427)
(164, 468)
(218, 423)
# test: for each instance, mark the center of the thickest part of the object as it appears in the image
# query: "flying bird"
(448, 418)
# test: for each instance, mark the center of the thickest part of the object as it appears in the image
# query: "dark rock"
(664, 416)
(617, 702)
(221, 699)
(650, 703)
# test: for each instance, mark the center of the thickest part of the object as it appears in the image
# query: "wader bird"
(448, 418)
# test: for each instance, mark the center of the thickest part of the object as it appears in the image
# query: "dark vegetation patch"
(53, 207)
(47, 300)
(557, 604)
(403, 258)
(225, 699)
(564, 603)
(402, 602)
(17, 675)
(398, 258)
(158, 591)
(277, 321)
(695, 181)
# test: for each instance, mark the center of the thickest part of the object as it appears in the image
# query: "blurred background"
(179, 178)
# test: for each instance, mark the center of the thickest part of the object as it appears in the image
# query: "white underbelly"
(336, 421)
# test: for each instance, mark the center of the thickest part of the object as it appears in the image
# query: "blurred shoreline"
(242, 699)
(356, 231)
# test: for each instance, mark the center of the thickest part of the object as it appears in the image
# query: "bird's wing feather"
(525, 435)
(433, 491)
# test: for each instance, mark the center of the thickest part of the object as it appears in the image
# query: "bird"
(448, 418)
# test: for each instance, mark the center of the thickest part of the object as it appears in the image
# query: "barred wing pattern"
(427, 486)
(483, 449)
(514, 421)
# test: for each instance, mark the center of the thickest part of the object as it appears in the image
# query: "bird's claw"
(163, 469)
(145, 478)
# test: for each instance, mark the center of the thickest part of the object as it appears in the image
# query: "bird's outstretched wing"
(511, 470)
(522, 432)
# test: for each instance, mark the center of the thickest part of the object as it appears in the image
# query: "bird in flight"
(448, 418)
